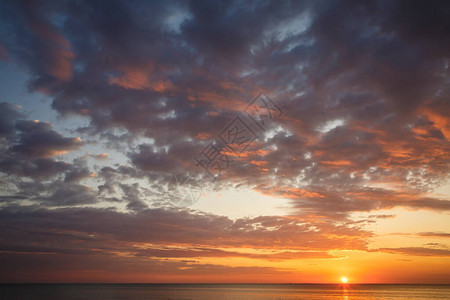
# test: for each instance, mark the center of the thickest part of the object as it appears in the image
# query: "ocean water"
(222, 291)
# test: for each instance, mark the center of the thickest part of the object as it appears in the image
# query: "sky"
(225, 141)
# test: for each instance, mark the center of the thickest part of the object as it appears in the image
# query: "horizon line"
(229, 283)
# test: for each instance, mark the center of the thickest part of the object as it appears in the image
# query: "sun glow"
(344, 279)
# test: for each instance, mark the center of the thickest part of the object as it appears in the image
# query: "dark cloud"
(133, 196)
(83, 233)
(69, 195)
(25, 161)
(181, 72)
(40, 168)
(178, 76)
(150, 159)
(27, 146)
(9, 113)
(205, 252)
(28, 267)
(80, 170)
(169, 227)
(38, 139)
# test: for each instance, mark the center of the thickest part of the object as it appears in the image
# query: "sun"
(344, 279)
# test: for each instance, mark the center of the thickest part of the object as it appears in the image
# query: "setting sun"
(344, 279)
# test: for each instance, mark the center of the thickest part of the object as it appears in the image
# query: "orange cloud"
(60, 62)
(293, 193)
(337, 162)
(139, 78)
(203, 136)
(440, 121)
(132, 79)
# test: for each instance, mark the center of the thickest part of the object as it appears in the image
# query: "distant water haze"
(224, 141)
(223, 291)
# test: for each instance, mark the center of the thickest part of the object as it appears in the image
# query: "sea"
(222, 291)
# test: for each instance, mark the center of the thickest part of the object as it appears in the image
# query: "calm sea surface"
(222, 291)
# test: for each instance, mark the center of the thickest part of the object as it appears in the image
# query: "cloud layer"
(362, 87)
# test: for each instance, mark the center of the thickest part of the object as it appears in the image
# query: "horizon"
(225, 142)
(221, 283)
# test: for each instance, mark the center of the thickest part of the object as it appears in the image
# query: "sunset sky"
(104, 105)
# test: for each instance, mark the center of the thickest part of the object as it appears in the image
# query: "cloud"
(417, 251)
(435, 234)
(9, 114)
(50, 235)
(37, 139)
(169, 227)
(182, 73)
(79, 171)
(26, 267)
(69, 195)
(40, 168)
(382, 216)
(380, 85)
(27, 147)
(429, 234)
(206, 252)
